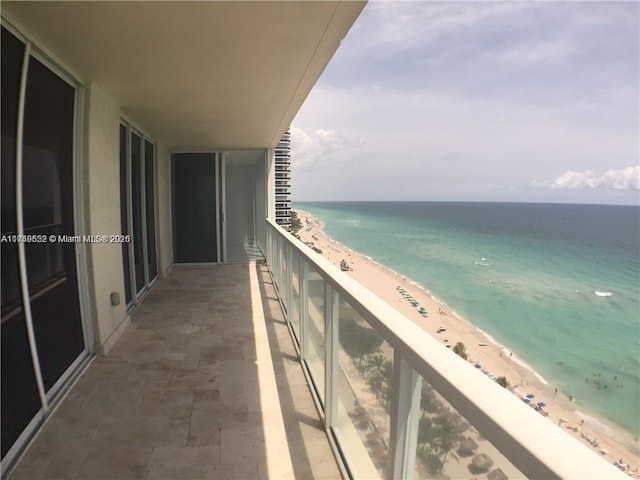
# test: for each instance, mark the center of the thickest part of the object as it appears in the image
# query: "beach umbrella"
(541, 404)
(563, 419)
(530, 396)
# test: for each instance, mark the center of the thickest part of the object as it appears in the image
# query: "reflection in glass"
(365, 363)
(136, 202)
(20, 401)
(449, 446)
(47, 174)
(315, 330)
(240, 204)
(286, 274)
(124, 216)
(12, 53)
(150, 211)
(47, 185)
(294, 314)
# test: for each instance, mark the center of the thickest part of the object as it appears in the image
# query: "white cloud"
(540, 53)
(625, 179)
(389, 27)
(324, 147)
(445, 97)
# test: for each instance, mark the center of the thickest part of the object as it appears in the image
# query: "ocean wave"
(593, 422)
(603, 294)
(482, 264)
(508, 353)
(527, 367)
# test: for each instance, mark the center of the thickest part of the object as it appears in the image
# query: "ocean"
(557, 284)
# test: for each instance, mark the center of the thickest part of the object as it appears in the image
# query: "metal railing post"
(331, 319)
(304, 310)
(289, 282)
(405, 412)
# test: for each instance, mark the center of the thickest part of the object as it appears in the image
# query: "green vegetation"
(296, 224)
(428, 401)
(503, 381)
(440, 431)
(460, 350)
(358, 342)
(362, 344)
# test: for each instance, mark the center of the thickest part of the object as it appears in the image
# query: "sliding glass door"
(47, 195)
(195, 207)
(42, 331)
(20, 401)
(216, 206)
(241, 204)
(137, 212)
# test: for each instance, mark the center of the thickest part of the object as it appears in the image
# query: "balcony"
(204, 383)
(394, 401)
(207, 383)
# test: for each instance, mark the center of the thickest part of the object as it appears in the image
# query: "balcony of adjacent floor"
(204, 383)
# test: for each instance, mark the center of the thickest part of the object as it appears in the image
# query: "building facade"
(283, 181)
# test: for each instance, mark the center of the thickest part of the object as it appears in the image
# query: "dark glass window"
(47, 166)
(151, 224)
(47, 185)
(137, 186)
(124, 217)
(136, 201)
(20, 401)
(12, 55)
(194, 208)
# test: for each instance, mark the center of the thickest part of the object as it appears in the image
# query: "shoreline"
(444, 324)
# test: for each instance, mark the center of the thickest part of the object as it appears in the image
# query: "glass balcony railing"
(394, 401)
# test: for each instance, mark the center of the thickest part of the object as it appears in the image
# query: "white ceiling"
(195, 75)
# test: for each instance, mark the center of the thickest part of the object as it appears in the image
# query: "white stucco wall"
(271, 181)
(102, 210)
(261, 201)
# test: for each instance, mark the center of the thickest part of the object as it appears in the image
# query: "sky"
(477, 101)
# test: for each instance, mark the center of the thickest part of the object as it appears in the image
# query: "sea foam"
(513, 357)
(594, 423)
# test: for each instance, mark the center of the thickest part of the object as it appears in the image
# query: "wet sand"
(496, 360)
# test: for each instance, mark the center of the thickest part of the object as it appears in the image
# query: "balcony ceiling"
(195, 75)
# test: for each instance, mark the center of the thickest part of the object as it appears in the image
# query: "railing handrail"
(537, 447)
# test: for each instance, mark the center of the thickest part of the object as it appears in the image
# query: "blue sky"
(481, 101)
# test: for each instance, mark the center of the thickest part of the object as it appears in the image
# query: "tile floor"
(204, 384)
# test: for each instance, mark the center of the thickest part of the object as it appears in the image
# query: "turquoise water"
(527, 274)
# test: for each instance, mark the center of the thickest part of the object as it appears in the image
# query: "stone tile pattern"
(178, 395)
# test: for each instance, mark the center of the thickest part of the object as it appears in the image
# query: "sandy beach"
(444, 324)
